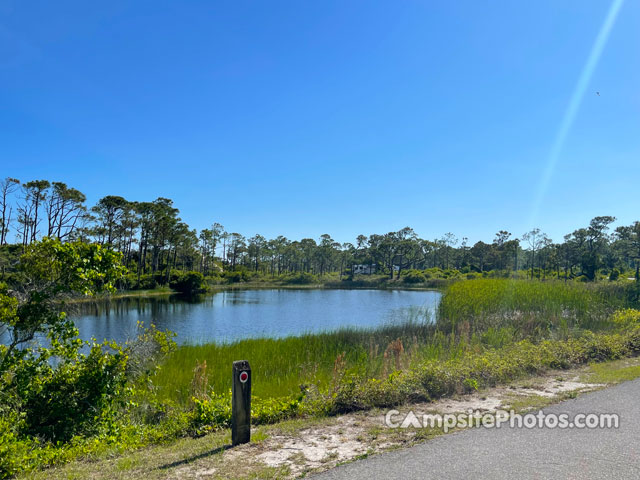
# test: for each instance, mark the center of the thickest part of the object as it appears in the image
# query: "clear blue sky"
(341, 117)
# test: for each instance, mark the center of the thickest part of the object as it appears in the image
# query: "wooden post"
(241, 403)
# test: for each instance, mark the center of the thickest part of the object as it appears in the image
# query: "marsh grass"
(281, 365)
(530, 308)
(472, 316)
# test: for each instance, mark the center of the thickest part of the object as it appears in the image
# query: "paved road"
(512, 453)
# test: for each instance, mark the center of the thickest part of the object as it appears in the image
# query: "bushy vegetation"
(51, 392)
(65, 398)
(414, 276)
(189, 283)
(238, 275)
(479, 368)
(302, 278)
(82, 404)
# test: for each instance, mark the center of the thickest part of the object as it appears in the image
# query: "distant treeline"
(154, 241)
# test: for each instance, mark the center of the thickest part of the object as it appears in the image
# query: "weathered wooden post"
(241, 403)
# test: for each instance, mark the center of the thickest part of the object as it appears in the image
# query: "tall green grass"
(472, 316)
(531, 307)
(280, 366)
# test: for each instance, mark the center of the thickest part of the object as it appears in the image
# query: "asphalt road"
(519, 453)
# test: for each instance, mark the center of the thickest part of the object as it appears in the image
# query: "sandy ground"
(347, 437)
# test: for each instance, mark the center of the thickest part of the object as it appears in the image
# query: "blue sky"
(341, 117)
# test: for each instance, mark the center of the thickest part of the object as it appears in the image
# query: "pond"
(236, 314)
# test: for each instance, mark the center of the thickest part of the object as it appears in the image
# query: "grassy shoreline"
(482, 314)
(156, 292)
(375, 283)
(165, 291)
(489, 332)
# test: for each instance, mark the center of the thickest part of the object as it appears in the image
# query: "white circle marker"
(244, 376)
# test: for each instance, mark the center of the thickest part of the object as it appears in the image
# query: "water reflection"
(232, 315)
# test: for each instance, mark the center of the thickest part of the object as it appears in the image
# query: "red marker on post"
(241, 403)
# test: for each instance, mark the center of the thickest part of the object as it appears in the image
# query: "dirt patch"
(314, 448)
(320, 447)
(475, 402)
(553, 387)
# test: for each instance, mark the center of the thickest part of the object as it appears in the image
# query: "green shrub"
(74, 397)
(147, 282)
(213, 279)
(17, 453)
(189, 283)
(234, 277)
(473, 370)
(414, 276)
(434, 272)
(240, 274)
(214, 412)
(302, 278)
(160, 278)
(272, 410)
(211, 413)
(625, 318)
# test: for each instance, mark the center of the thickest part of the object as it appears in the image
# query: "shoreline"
(248, 286)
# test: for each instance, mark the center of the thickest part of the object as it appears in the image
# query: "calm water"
(233, 315)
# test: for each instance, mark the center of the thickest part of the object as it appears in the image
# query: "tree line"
(153, 239)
